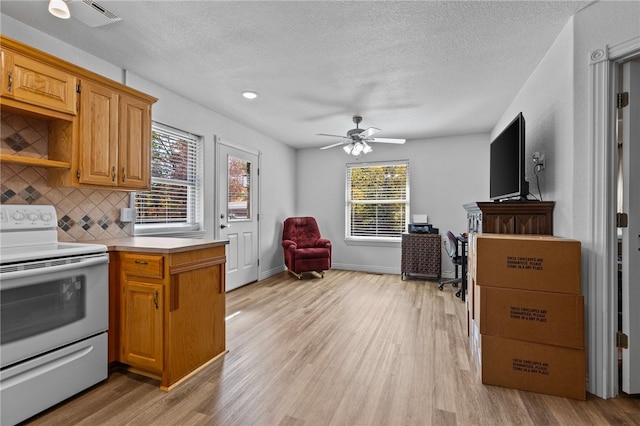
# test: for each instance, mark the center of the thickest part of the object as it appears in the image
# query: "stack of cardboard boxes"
(526, 313)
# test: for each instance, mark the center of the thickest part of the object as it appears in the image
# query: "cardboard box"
(534, 367)
(528, 262)
(534, 316)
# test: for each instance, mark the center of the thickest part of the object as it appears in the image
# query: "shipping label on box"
(534, 367)
(528, 262)
(535, 316)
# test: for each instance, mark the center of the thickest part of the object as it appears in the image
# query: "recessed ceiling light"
(250, 95)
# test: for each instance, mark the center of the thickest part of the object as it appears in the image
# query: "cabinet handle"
(124, 174)
(113, 174)
(141, 262)
(155, 298)
(10, 86)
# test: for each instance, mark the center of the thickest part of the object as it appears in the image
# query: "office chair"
(458, 259)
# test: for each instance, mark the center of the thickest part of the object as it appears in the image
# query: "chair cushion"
(311, 253)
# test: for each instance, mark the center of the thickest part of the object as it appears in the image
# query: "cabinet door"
(134, 143)
(98, 135)
(35, 83)
(498, 224)
(532, 224)
(142, 325)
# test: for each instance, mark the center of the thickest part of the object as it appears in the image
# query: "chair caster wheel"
(455, 284)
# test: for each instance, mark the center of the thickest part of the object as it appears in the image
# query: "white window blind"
(377, 200)
(174, 202)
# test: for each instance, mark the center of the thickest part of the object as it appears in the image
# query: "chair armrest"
(286, 244)
(323, 242)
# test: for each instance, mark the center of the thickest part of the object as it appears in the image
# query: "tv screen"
(506, 170)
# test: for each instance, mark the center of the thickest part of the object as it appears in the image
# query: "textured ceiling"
(414, 69)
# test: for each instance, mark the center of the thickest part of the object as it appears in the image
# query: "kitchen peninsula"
(166, 305)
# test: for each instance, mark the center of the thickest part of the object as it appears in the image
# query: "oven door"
(46, 305)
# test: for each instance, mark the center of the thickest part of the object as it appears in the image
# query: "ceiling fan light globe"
(367, 148)
(348, 148)
(59, 9)
(357, 148)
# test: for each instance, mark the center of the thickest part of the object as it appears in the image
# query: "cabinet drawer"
(144, 265)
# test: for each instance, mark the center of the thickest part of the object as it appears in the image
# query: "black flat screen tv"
(506, 169)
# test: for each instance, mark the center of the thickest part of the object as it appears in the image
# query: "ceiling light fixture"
(59, 9)
(250, 95)
(357, 148)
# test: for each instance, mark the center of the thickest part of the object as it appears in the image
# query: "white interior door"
(630, 128)
(237, 211)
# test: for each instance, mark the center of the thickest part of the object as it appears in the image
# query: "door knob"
(223, 226)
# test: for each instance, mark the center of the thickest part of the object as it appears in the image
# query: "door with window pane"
(237, 212)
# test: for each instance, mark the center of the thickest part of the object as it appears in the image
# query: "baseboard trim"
(351, 267)
(367, 268)
(271, 272)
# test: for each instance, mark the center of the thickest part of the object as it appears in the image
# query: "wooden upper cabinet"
(35, 83)
(99, 129)
(115, 138)
(134, 148)
(98, 135)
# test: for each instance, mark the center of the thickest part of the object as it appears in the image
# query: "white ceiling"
(414, 69)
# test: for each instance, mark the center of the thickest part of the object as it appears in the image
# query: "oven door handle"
(89, 261)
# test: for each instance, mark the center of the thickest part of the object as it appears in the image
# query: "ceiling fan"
(357, 140)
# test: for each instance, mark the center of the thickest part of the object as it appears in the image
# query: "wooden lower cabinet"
(171, 312)
(142, 325)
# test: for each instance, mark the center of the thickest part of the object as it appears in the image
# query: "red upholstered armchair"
(304, 249)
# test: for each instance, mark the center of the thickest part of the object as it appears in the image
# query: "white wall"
(277, 174)
(604, 23)
(546, 101)
(445, 173)
(556, 104)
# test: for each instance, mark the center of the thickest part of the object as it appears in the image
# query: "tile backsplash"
(83, 214)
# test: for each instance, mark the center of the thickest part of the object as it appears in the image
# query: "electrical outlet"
(127, 214)
(538, 160)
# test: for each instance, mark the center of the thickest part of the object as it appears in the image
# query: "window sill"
(178, 232)
(370, 242)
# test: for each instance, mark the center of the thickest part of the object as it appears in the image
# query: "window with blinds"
(174, 202)
(377, 200)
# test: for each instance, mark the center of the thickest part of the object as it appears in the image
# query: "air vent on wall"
(91, 13)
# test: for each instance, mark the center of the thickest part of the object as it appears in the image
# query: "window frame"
(374, 240)
(195, 228)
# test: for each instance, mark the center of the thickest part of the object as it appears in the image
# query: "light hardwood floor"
(350, 349)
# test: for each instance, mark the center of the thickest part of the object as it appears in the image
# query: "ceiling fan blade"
(332, 145)
(387, 140)
(368, 132)
(333, 136)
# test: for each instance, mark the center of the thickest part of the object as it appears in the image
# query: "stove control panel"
(27, 216)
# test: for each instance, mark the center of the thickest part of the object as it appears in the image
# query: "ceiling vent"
(91, 13)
